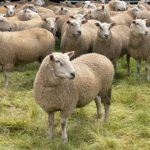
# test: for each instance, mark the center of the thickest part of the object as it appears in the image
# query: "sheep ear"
(51, 56)
(15, 6)
(84, 21)
(68, 22)
(71, 17)
(70, 54)
(57, 18)
(97, 24)
(5, 6)
(103, 7)
(112, 24)
(44, 19)
(134, 21)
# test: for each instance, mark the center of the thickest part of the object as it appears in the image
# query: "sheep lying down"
(62, 85)
(24, 47)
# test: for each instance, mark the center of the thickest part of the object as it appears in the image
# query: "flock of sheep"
(86, 30)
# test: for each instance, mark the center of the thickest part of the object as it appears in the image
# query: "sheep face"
(50, 24)
(74, 27)
(62, 11)
(62, 66)
(10, 10)
(104, 30)
(4, 25)
(138, 26)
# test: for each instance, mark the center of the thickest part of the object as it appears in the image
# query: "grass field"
(23, 125)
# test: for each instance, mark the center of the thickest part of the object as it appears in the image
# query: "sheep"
(120, 5)
(24, 47)
(120, 19)
(67, 4)
(78, 36)
(10, 10)
(39, 2)
(16, 25)
(27, 14)
(50, 24)
(61, 85)
(139, 46)
(112, 41)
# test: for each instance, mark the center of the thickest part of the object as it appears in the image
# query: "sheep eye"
(57, 61)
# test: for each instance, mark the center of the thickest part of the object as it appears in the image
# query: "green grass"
(23, 124)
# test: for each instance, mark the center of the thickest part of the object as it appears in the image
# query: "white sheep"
(139, 45)
(24, 47)
(61, 85)
(78, 36)
(112, 41)
(10, 10)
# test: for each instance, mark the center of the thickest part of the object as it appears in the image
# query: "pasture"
(23, 124)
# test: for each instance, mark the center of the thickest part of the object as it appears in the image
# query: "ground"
(23, 124)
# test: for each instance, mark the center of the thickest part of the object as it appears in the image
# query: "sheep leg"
(106, 101)
(128, 63)
(6, 74)
(148, 71)
(51, 124)
(63, 128)
(138, 68)
(98, 106)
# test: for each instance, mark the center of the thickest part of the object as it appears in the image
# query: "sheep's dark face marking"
(62, 66)
(138, 26)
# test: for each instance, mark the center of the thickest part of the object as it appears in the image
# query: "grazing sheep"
(24, 47)
(112, 41)
(10, 10)
(139, 45)
(61, 85)
(78, 36)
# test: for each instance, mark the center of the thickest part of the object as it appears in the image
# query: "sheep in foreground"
(112, 41)
(78, 36)
(24, 47)
(55, 89)
(139, 45)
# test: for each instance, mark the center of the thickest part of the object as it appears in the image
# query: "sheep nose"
(79, 32)
(146, 32)
(106, 36)
(72, 75)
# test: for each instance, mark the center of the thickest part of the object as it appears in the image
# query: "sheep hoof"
(65, 139)
(98, 116)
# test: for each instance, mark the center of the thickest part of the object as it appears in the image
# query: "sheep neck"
(136, 39)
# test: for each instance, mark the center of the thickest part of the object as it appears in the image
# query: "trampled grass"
(23, 125)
